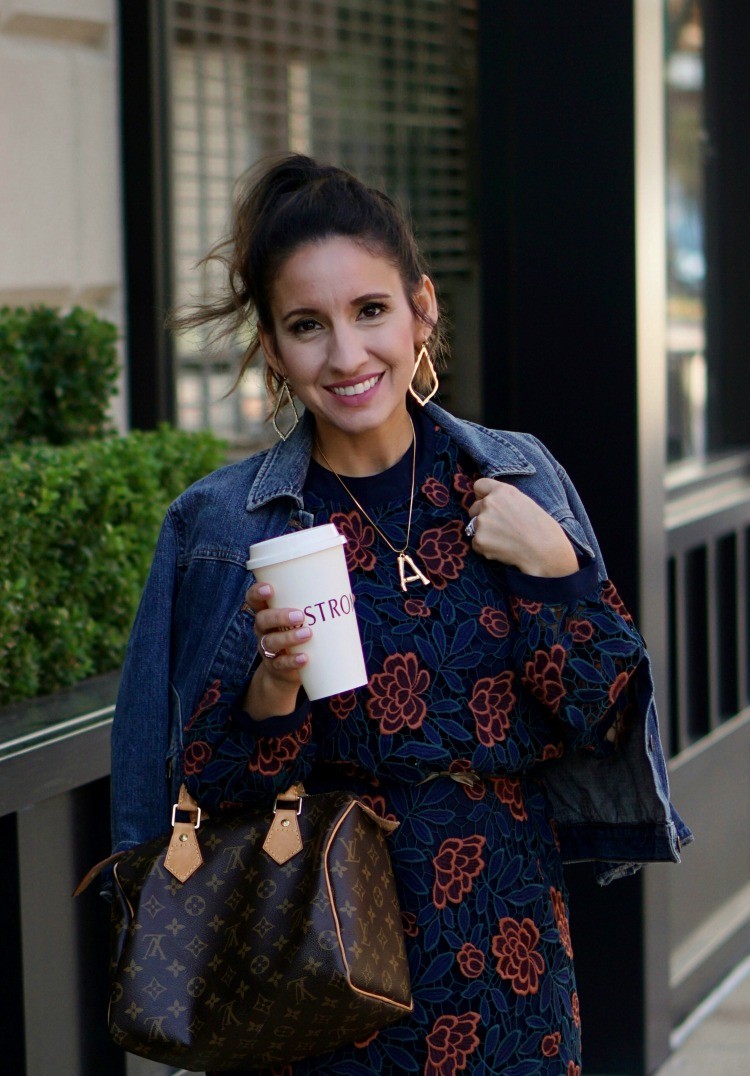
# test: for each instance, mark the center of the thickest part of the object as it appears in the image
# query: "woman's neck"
(363, 454)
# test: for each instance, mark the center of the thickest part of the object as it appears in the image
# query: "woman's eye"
(305, 326)
(371, 310)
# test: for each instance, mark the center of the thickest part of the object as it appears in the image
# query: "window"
(383, 87)
(687, 384)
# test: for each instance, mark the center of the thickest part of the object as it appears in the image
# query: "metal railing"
(708, 600)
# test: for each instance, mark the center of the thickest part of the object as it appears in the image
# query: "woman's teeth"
(356, 390)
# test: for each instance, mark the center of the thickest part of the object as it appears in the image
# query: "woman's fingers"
(256, 596)
(276, 630)
(273, 644)
(508, 526)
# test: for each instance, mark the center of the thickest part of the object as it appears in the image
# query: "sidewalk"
(715, 1041)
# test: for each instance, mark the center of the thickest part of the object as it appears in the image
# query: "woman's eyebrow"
(311, 311)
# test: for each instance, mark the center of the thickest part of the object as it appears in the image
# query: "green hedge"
(57, 374)
(78, 524)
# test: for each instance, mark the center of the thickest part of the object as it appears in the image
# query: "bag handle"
(184, 856)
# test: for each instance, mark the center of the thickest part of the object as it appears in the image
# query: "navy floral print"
(474, 683)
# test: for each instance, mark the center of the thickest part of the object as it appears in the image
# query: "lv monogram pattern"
(251, 964)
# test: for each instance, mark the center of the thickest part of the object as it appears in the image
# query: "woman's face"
(345, 335)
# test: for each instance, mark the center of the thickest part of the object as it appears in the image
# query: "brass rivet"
(285, 822)
(183, 837)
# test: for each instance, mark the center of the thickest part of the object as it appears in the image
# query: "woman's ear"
(426, 300)
(268, 345)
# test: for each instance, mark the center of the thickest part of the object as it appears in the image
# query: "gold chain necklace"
(402, 557)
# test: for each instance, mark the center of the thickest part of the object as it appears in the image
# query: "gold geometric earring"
(283, 399)
(434, 382)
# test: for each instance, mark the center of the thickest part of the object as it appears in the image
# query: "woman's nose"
(346, 353)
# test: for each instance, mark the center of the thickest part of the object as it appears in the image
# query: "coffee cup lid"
(290, 546)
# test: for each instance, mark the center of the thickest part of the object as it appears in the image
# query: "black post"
(557, 217)
(143, 100)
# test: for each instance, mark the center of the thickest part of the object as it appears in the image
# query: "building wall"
(60, 214)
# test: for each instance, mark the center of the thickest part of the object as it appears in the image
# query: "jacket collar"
(284, 468)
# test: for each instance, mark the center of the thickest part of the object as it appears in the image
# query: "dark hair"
(279, 207)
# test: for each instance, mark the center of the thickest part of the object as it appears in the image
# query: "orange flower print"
(495, 621)
(551, 1044)
(409, 920)
(611, 598)
(532, 608)
(271, 754)
(443, 551)
(508, 791)
(618, 685)
(478, 790)
(378, 805)
(561, 918)
(342, 705)
(303, 734)
(396, 694)
(416, 607)
(458, 862)
(197, 756)
(211, 696)
(491, 703)
(518, 959)
(544, 676)
(581, 630)
(359, 537)
(552, 750)
(575, 1008)
(470, 961)
(435, 492)
(465, 487)
(449, 1044)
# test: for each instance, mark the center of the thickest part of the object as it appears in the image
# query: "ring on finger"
(270, 654)
(470, 527)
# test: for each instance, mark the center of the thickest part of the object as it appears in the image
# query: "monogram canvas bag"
(253, 939)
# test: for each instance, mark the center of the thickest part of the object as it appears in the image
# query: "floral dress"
(475, 681)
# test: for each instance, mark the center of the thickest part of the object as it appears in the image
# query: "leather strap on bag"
(184, 855)
(284, 840)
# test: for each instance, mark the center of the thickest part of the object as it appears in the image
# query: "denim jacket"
(192, 629)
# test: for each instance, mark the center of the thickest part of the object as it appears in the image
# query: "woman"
(509, 712)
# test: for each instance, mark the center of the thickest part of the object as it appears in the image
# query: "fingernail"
(302, 633)
(296, 616)
(300, 659)
(264, 590)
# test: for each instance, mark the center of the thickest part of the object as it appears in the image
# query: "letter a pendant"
(417, 577)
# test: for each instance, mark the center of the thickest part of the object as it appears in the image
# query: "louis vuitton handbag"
(252, 939)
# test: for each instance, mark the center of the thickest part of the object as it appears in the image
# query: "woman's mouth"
(356, 388)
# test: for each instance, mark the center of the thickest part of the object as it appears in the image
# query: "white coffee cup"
(307, 570)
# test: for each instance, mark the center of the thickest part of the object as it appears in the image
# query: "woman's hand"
(513, 529)
(275, 683)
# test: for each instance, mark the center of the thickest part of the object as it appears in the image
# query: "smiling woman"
(344, 335)
(502, 665)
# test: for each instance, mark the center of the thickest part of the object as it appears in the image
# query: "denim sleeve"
(141, 800)
(576, 507)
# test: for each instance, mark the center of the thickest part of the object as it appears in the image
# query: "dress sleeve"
(230, 759)
(576, 652)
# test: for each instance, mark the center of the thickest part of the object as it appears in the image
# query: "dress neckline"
(390, 486)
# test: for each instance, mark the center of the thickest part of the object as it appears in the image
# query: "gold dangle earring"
(283, 399)
(434, 382)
